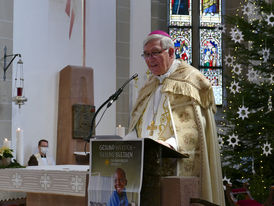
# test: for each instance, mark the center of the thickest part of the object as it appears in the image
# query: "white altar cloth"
(57, 179)
(7, 195)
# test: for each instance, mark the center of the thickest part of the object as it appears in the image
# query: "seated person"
(42, 157)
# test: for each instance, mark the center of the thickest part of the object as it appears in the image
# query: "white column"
(101, 56)
(140, 26)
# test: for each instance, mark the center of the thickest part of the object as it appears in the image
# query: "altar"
(48, 185)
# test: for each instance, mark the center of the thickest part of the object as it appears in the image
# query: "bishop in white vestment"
(176, 107)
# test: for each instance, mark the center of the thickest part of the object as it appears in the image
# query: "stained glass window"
(216, 78)
(180, 21)
(210, 12)
(210, 48)
(211, 45)
(180, 13)
(182, 42)
(209, 57)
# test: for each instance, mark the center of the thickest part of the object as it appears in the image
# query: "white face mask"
(44, 150)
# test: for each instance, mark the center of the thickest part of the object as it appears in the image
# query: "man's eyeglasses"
(152, 54)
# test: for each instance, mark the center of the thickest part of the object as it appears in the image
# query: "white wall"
(140, 27)
(101, 55)
(41, 30)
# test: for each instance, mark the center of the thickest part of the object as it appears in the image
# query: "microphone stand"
(109, 101)
(93, 118)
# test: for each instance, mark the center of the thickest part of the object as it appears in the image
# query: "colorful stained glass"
(210, 58)
(210, 48)
(210, 6)
(210, 12)
(180, 12)
(215, 77)
(182, 43)
(211, 44)
(180, 29)
(180, 7)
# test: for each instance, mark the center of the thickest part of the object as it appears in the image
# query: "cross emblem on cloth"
(151, 127)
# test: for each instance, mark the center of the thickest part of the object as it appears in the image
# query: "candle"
(19, 91)
(120, 131)
(19, 146)
(6, 143)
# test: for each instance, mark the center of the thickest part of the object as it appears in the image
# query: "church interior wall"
(122, 60)
(39, 31)
(140, 26)
(41, 35)
(6, 39)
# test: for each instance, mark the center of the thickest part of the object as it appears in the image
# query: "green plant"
(5, 152)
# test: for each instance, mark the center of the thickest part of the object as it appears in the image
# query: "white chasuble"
(189, 98)
(156, 122)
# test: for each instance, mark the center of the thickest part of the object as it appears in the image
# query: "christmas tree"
(247, 135)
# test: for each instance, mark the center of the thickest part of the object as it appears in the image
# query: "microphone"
(115, 96)
(109, 102)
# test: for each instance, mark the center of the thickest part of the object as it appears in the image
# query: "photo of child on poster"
(115, 173)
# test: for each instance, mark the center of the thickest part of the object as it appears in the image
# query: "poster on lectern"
(116, 172)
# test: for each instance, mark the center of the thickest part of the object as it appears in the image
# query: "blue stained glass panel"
(180, 7)
(180, 12)
(210, 12)
(210, 7)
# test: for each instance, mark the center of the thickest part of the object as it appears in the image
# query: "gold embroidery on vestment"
(165, 117)
(151, 127)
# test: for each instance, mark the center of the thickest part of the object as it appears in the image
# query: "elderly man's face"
(120, 181)
(160, 62)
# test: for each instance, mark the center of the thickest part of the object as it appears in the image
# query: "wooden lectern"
(76, 98)
(143, 161)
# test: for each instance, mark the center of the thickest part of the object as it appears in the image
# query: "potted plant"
(5, 156)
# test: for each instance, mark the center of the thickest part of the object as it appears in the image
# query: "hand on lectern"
(164, 143)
